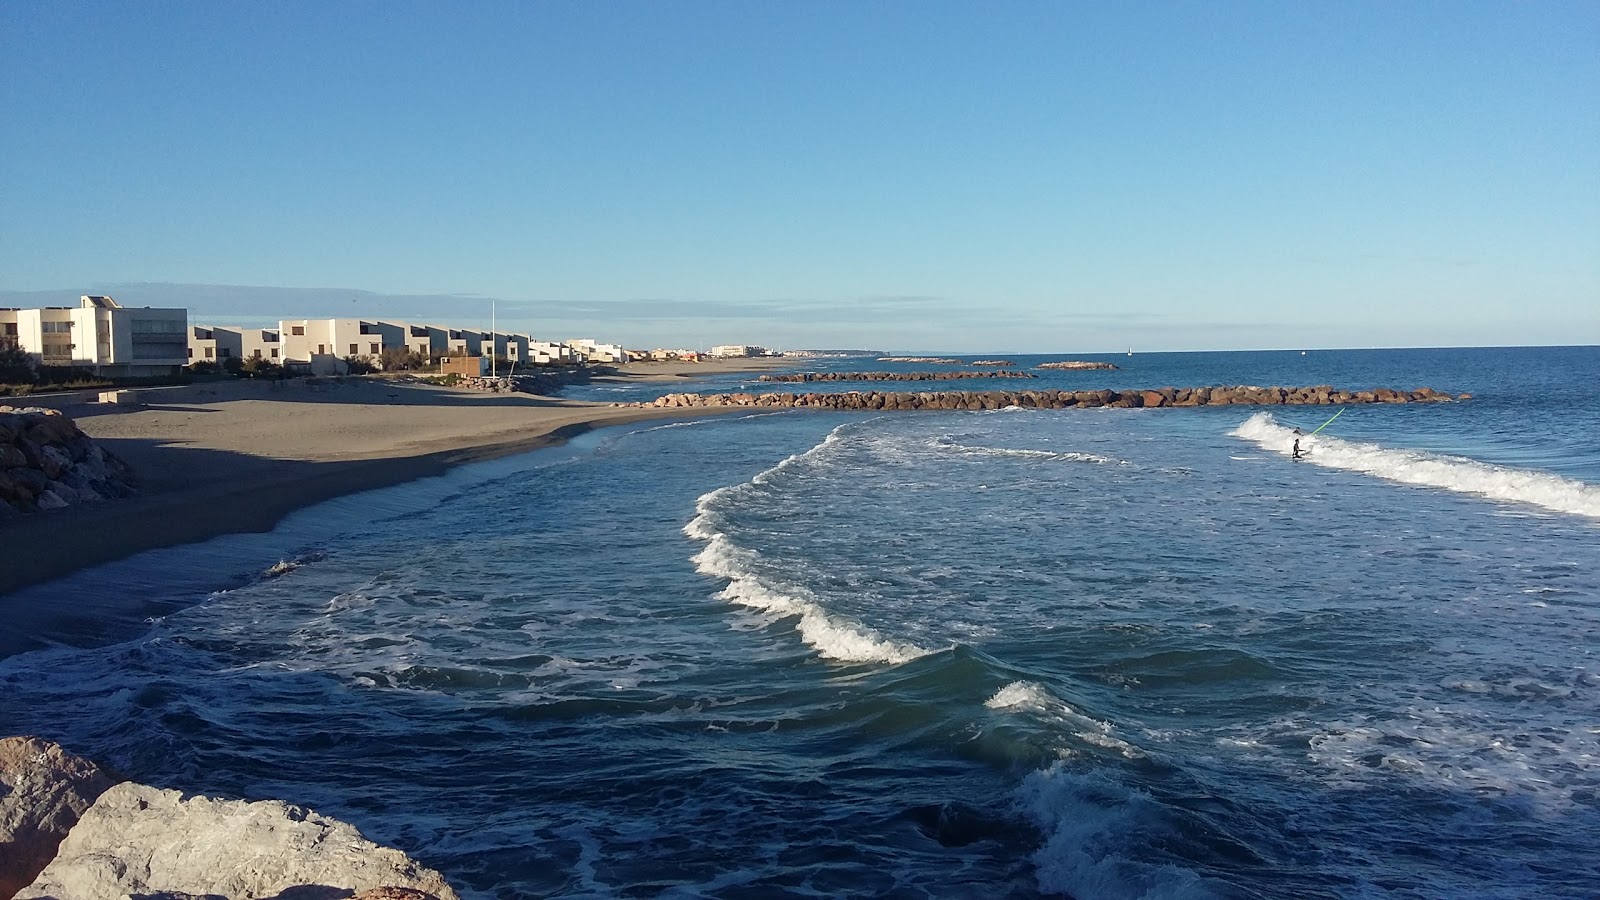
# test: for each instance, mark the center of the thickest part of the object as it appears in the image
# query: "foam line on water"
(1451, 473)
(1023, 453)
(832, 636)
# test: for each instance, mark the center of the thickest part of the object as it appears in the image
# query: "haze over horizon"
(942, 177)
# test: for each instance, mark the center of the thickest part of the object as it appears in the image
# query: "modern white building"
(589, 350)
(737, 350)
(322, 344)
(218, 343)
(101, 335)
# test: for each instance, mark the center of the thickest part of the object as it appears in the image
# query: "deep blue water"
(1099, 653)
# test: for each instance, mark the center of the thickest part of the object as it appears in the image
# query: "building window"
(322, 349)
(191, 353)
(210, 352)
(374, 349)
(256, 353)
(352, 349)
(56, 327)
(274, 352)
(300, 330)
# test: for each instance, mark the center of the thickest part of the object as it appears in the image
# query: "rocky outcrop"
(47, 463)
(139, 841)
(1159, 397)
(1075, 364)
(43, 791)
(892, 376)
(992, 362)
(544, 382)
(940, 360)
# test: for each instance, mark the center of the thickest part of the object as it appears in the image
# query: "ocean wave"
(1451, 473)
(1033, 698)
(1094, 828)
(832, 636)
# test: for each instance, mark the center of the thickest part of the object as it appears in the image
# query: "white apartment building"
(428, 341)
(588, 350)
(218, 343)
(736, 350)
(322, 344)
(550, 353)
(101, 335)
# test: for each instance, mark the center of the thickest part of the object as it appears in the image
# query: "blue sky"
(1007, 176)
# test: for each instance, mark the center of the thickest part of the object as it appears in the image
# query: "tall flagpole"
(494, 361)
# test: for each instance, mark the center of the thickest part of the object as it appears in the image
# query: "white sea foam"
(1452, 473)
(1023, 453)
(833, 636)
(1034, 699)
(1095, 828)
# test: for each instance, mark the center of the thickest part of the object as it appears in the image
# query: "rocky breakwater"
(47, 463)
(992, 362)
(966, 400)
(892, 376)
(938, 360)
(1075, 364)
(543, 382)
(71, 829)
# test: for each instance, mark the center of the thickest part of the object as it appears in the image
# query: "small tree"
(359, 365)
(399, 359)
(16, 365)
(203, 367)
(233, 365)
(259, 367)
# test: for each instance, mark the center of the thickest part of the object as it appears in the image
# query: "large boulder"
(141, 840)
(43, 791)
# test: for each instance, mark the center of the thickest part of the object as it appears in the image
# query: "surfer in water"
(1297, 453)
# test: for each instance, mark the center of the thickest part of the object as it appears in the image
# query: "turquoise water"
(1095, 653)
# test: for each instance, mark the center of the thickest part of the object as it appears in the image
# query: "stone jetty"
(993, 362)
(47, 463)
(1075, 364)
(892, 376)
(1239, 395)
(940, 360)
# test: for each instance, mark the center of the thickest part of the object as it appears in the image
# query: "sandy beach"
(237, 456)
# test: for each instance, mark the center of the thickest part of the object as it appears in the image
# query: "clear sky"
(1018, 176)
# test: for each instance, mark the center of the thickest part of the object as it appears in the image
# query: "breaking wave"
(749, 585)
(1451, 473)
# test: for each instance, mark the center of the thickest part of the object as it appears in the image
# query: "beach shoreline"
(224, 458)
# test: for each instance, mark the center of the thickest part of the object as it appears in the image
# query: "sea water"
(1095, 653)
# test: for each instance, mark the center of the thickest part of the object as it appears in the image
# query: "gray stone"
(43, 791)
(140, 840)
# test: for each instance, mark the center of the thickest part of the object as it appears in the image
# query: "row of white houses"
(103, 336)
(324, 344)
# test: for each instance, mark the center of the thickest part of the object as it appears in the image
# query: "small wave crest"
(833, 636)
(1451, 473)
(1034, 699)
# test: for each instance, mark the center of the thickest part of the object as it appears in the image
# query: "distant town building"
(219, 343)
(589, 350)
(735, 350)
(101, 335)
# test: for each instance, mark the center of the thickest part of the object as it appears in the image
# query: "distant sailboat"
(1130, 351)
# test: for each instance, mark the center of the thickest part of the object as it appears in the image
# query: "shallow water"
(1103, 653)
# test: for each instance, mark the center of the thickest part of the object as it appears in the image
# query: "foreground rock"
(893, 376)
(1074, 364)
(1159, 397)
(139, 840)
(43, 792)
(47, 463)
